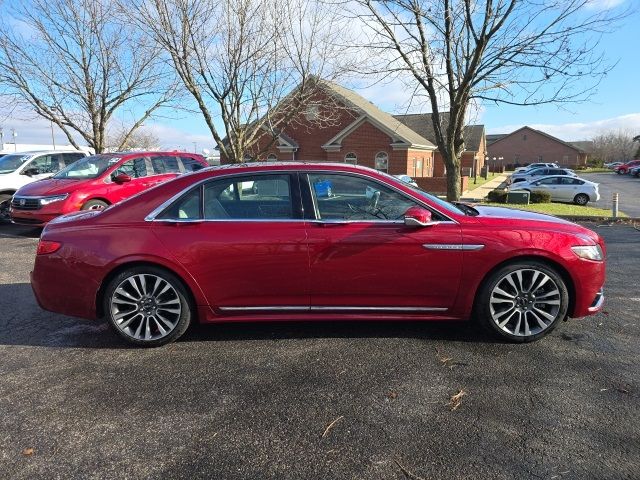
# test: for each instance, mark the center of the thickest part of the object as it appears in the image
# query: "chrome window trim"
(151, 217)
(331, 308)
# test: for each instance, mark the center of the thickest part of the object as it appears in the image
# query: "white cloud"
(580, 131)
(603, 4)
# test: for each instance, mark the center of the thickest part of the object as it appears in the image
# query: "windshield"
(89, 167)
(10, 163)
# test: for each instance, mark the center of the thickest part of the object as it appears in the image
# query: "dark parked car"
(302, 241)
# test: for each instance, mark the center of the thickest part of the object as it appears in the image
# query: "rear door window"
(164, 164)
(251, 197)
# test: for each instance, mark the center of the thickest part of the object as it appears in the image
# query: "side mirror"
(417, 217)
(30, 172)
(121, 178)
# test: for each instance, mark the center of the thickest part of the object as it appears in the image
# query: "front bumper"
(32, 217)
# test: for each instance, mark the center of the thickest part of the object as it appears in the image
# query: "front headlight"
(53, 198)
(588, 252)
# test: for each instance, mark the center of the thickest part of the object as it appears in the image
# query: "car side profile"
(533, 166)
(98, 181)
(303, 241)
(562, 188)
(539, 172)
(22, 168)
(625, 167)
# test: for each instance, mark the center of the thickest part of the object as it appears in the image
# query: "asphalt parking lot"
(627, 187)
(320, 401)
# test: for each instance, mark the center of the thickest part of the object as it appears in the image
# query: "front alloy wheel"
(147, 306)
(523, 302)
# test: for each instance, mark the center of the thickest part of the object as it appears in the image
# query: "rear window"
(190, 164)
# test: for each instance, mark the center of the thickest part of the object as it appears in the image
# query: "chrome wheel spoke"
(145, 307)
(525, 302)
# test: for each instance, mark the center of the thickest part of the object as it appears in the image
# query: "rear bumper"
(62, 289)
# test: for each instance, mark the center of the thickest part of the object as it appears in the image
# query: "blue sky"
(615, 104)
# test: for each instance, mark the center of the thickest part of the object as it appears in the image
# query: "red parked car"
(96, 182)
(294, 241)
(625, 167)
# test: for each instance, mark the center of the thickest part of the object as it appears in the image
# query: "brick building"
(527, 145)
(358, 132)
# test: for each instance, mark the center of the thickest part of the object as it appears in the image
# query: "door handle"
(332, 223)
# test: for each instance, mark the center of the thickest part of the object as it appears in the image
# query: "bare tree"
(457, 53)
(123, 139)
(614, 146)
(77, 64)
(250, 65)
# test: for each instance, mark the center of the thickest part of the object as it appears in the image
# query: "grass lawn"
(594, 170)
(561, 209)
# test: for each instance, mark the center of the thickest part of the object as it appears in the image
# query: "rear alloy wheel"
(147, 306)
(522, 302)
(95, 205)
(581, 199)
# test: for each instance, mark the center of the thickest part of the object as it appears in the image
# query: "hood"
(50, 186)
(513, 218)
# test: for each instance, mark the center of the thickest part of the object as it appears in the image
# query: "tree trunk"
(453, 179)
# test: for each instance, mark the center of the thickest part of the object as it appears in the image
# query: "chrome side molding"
(453, 246)
(330, 308)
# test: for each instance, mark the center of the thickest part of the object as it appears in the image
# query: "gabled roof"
(584, 145)
(399, 132)
(422, 124)
(494, 137)
(573, 145)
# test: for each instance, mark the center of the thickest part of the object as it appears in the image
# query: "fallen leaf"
(456, 400)
(392, 395)
(28, 452)
(330, 426)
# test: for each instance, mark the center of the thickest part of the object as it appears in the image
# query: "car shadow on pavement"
(23, 322)
(8, 230)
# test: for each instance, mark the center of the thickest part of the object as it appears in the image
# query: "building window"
(524, 137)
(351, 158)
(565, 159)
(382, 161)
(272, 157)
(417, 167)
(540, 158)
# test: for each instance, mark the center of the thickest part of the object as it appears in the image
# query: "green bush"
(540, 197)
(497, 196)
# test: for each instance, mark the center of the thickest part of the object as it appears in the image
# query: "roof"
(423, 124)
(573, 145)
(584, 145)
(382, 119)
(493, 137)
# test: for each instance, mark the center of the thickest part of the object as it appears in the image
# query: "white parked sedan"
(562, 188)
(536, 165)
(407, 179)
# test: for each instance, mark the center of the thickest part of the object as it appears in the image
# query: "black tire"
(95, 205)
(5, 199)
(619, 172)
(581, 199)
(182, 319)
(485, 316)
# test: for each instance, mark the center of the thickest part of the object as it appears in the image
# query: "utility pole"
(53, 139)
(1, 139)
(14, 134)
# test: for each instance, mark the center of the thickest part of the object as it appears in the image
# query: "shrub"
(497, 196)
(540, 197)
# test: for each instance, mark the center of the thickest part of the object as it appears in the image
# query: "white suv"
(20, 168)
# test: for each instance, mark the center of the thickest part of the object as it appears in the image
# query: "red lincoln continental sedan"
(302, 241)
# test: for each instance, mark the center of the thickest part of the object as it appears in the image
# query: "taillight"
(47, 246)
